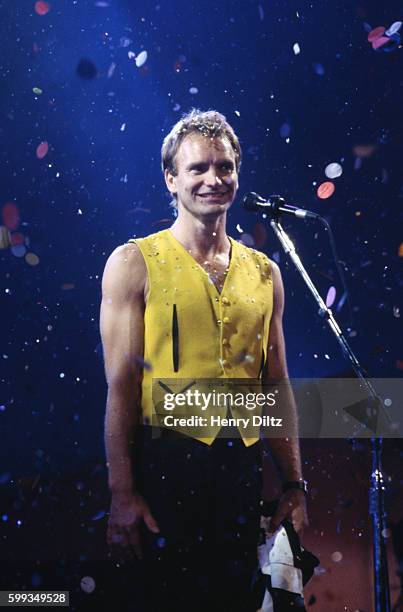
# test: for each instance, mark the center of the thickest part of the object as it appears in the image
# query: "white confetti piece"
(333, 170)
(141, 59)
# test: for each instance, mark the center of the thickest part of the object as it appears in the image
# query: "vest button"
(225, 300)
(225, 341)
(226, 320)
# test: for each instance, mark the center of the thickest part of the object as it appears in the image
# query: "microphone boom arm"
(377, 482)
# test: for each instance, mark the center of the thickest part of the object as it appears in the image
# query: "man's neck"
(205, 237)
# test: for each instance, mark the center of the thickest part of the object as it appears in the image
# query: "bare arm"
(122, 332)
(285, 451)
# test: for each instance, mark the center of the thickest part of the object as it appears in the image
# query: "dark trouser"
(206, 500)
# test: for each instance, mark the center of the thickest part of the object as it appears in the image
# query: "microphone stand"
(377, 485)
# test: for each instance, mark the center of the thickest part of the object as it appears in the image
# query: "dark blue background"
(336, 94)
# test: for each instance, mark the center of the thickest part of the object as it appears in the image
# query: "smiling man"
(190, 302)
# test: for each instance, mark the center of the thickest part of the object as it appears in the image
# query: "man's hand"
(291, 507)
(127, 513)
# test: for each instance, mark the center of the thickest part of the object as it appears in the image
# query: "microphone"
(275, 205)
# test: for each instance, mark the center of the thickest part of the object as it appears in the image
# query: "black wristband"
(300, 485)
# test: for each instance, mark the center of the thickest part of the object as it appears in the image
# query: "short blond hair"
(208, 123)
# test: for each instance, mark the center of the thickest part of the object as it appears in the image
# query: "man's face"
(206, 181)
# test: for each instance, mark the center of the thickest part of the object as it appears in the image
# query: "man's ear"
(170, 181)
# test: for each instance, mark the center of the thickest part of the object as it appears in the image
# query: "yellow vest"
(191, 331)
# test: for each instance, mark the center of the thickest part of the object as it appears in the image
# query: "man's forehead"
(195, 144)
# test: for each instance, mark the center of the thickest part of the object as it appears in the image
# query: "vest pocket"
(175, 340)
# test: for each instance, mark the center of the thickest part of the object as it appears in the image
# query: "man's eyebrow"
(196, 164)
(219, 162)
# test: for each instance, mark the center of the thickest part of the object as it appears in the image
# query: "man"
(190, 302)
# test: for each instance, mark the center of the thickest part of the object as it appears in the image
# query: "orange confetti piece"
(325, 190)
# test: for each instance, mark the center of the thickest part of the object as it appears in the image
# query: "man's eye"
(227, 167)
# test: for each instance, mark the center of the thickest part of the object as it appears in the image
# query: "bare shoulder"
(275, 271)
(278, 288)
(125, 271)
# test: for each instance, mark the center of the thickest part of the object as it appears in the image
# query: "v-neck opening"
(229, 268)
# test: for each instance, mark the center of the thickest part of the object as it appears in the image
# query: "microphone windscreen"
(250, 201)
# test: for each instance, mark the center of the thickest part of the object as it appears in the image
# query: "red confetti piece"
(325, 190)
(260, 235)
(42, 149)
(376, 33)
(17, 238)
(42, 8)
(400, 251)
(11, 216)
(379, 42)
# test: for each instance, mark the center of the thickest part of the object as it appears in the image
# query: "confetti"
(400, 251)
(10, 216)
(364, 150)
(141, 59)
(247, 239)
(42, 149)
(325, 190)
(296, 48)
(260, 235)
(261, 12)
(32, 259)
(285, 130)
(333, 170)
(380, 42)
(18, 250)
(17, 238)
(193, 90)
(87, 584)
(37, 91)
(319, 69)
(336, 556)
(111, 69)
(331, 296)
(42, 8)
(394, 28)
(376, 33)
(4, 237)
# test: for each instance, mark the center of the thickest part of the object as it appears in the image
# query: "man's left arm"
(285, 451)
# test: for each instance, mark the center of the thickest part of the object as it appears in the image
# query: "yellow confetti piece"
(37, 91)
(400, 252)
(32, 259)
(4, 237)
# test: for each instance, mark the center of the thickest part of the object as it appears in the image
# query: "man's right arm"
(122, 332)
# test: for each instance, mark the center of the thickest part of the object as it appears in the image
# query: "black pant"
(206, 500)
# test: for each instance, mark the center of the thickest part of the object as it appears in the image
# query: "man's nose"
(212, 178)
